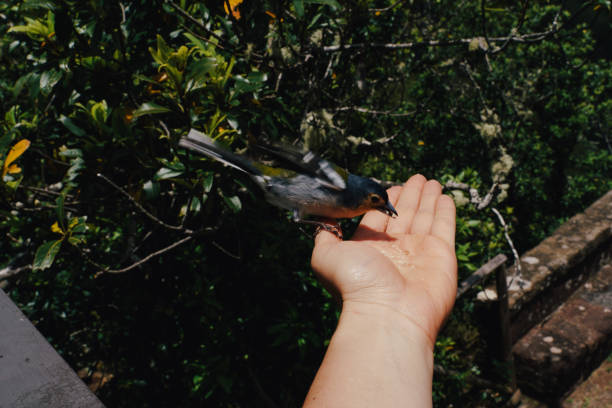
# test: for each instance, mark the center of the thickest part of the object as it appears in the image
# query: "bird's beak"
(388, 209)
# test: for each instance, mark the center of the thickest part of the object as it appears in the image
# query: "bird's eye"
(375, 199)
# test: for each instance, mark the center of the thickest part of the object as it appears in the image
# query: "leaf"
(233, 203)
(56, 228)
(151, 189)
(71, 126)
(253, 82)
(166, 173)
(150, 108)
(71, 153)
(13, 154)
(45, 254)
(48, 80)
(61, 214)
(331, 3)
(299, 7)
(234, 8)
(99, 111)
(202, 67)
(78, 227)
(14, 169)
(208, 182)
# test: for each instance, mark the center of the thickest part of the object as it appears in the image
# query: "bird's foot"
(326, 224)
(333, 228)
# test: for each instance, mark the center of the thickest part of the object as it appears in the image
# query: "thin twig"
(482, 203)
(525, 38)
(144, 210)
(382, 10)
(514, 30)
(104, 269)
(372, 112)
(194, 21)
(468, 70)
(475, 198)
(517, 260)
(225, 251)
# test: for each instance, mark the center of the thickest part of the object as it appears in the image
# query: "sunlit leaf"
(13, 154)
(48, 80)
(208, 182)
(151, 189)
(14, 169)
(166, 173)
(234, 7)
(233, 203)
(99, 111)
(150, 108)
(56, 228)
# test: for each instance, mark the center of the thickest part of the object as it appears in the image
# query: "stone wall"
(561, 263)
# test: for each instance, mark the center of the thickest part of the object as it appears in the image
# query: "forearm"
(375, 358)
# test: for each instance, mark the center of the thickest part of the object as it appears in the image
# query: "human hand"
(403, 268)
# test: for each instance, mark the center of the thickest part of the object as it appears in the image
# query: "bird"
(304, 183)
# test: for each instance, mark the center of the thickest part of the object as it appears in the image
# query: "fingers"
(407, 204)
(423, 219)
(375, 221)
(444, 221)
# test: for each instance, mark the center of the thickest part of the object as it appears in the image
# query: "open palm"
(405, 265)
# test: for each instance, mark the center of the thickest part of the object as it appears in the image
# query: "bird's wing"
(200, 143)
(309, 163)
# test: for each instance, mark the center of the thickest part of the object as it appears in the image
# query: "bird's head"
(369, 195)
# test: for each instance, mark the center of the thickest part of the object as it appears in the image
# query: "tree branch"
(9, 271)
(482, 203)
(525, 38)
(147, 258)
(144, 210)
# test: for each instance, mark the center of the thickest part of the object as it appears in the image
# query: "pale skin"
(397, 280)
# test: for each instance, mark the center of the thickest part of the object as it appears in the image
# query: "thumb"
(324, 243)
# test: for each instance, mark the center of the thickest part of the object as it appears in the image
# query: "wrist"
(389, 319)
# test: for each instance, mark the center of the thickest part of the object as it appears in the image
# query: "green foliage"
(104, 90)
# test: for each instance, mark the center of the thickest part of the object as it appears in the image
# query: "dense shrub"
(166, 272)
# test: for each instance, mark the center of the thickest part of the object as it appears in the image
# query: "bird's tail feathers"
(200, 143)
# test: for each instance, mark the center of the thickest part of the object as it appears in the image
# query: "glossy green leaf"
(299, 7)
(48, 80)
(151, 189)
(150, 108)
(71, 126)
(166, 173)
(59, 210)
(207, 182)
(233, 203)
(45, 254)
(331, 3)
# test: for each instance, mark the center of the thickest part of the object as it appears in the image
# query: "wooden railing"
(494, 266)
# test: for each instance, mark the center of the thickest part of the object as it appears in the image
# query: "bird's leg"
(332, 227)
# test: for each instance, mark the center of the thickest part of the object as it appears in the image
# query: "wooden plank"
(501, 284)
(32, 374)
(480, 274)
